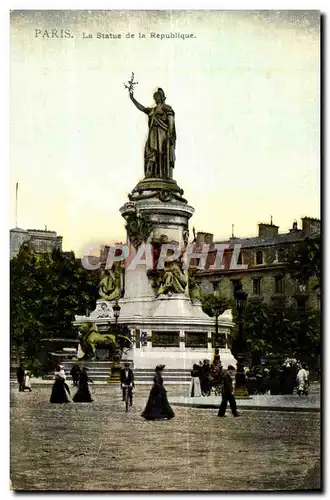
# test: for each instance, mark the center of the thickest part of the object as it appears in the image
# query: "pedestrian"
(83, 395)
(127, 381)
(302, 381)
(274, 384)
(227, 393)
(200, 373)
(205, 378)
(75, 372)
(60, 387)
(195, 386)
(157, 406)
(288, 378)
(27, 381)
(20, 373)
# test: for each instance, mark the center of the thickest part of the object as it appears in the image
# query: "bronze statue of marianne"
(159, 152)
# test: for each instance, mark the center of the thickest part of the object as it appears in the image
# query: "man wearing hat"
(127, 379)
(227, 393)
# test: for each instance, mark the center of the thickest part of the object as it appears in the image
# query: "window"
(257, 286)
(239, 260)
(279, 284)
(280, 254)
(216, 286)
(259, 257)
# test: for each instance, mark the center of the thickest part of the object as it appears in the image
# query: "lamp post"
(116, 311)
(115, 369)
(217, 312)
(239, 344)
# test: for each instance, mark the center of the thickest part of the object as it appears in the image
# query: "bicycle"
(127, 395)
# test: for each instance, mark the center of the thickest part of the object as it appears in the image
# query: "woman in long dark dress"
(60, 387)
(157, 406)
(83, 395)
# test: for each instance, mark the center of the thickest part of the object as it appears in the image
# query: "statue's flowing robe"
(159, 156)
(174, 280)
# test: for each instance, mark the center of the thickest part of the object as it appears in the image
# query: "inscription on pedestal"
(165, 339)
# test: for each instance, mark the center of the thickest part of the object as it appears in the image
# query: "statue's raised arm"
(130, 87)
(139, 106)
(159, 152)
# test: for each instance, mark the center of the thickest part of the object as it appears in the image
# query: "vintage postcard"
(165, 241)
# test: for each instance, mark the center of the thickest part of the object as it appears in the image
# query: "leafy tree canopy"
(47, 291)
(215, 305)
(274, 333)
(304, 260)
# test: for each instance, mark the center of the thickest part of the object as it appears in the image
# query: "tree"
(276, 334)
(304, 260)
(256, 333)
(68, 289)
(47, 291)
(215, 305)
(26, 328)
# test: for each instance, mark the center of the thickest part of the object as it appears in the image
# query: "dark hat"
(127, 364)
(160, 367)
(231, 367)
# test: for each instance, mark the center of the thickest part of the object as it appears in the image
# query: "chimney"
(267, 230)
(294, 228)
(310, 226)
(204, 238)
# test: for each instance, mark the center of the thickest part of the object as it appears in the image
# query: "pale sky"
(246, 98)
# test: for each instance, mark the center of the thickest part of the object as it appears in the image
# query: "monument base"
(167, 330)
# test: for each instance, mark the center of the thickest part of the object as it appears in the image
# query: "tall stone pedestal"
(166, 329)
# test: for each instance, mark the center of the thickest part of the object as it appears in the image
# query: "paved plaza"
(99, 447)
(260, 402)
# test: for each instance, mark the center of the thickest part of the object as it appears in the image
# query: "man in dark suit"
(127, 380)
(227, 393)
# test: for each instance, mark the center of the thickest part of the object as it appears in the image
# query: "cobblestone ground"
(98, 446)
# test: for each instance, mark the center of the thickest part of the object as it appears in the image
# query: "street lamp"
(239, 344)
(218, 310)
(115, 369)
(116, 311)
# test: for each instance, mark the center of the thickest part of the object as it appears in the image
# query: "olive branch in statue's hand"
(130, 84)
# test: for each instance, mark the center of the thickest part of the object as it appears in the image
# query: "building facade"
(42, 241)
(265, 276)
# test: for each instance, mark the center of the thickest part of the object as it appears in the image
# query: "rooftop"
(271, 240)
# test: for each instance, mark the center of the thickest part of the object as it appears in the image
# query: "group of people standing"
(288, 378)
(205, 376)
(61, 391)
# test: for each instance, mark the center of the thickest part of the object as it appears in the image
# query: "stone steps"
(142, 376)
(99, 371)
